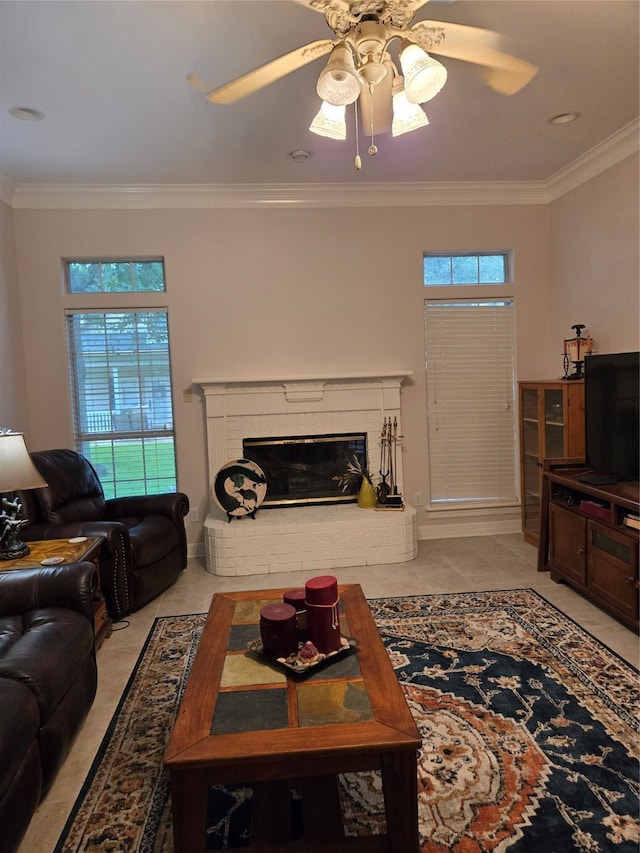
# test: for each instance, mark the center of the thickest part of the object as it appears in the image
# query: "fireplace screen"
(300, 469)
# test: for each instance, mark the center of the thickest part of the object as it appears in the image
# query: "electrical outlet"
(194, 515)
(417, 499)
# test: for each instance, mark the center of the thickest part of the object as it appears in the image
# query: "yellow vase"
(367, 495)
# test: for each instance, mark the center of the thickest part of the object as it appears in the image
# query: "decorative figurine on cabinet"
(575, 351)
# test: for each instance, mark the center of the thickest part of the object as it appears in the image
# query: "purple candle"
(323, 621)
(297, 599)
(278, 630)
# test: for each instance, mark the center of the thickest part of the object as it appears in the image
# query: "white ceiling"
(110, 77)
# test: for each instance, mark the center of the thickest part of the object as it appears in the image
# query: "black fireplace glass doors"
(300, 469)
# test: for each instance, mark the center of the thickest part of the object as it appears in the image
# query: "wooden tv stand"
(585, 542)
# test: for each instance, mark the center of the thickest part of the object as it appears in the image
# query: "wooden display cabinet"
(551, 427)
(588, 543)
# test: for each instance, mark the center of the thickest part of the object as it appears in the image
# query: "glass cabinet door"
(551, 427)
(530, 464)
(553, 423)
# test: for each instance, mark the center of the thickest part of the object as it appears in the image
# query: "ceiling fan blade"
(263, 76)
(508, 81)
(414, 5)
(323, 6)
(504, 73)
(342, 14)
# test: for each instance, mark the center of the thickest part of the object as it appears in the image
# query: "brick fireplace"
(312, 538)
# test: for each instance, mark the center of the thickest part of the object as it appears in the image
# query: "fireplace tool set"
(388, 496)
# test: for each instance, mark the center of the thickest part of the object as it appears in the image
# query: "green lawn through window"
(149, 461)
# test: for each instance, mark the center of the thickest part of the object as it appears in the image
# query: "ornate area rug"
(529, 736)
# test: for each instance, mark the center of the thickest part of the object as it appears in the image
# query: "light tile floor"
(446, 565)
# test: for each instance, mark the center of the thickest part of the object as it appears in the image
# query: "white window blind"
(471, 402)
(121, 398)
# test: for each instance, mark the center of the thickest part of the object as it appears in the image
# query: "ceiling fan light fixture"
(330, 121)
(424, 76)
(338, 83)
(371, 72)
(406, 116)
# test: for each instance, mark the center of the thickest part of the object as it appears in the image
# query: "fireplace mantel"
(320, 377)
(300, 388)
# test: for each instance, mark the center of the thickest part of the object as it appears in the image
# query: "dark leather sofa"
(47, 683)
(144, 543)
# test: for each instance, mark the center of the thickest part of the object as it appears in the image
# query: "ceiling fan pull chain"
(358, 161)
(373, 148)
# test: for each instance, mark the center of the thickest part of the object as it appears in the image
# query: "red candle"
(296, 598)
(323, 621)
(278, 630)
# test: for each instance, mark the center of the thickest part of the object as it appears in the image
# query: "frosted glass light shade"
(338, 83)
(424, 76)
(406, 116)
(330, 122)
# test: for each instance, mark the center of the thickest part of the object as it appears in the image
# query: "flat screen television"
(612, 415)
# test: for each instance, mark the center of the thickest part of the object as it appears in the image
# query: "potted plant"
(357, 473)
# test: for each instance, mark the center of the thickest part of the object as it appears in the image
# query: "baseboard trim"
(195, 550)
(466, 528)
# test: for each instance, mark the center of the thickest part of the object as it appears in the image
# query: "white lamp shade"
(424, 76)
(338, 83)
(330, 122)
(577, 348)
(406, 116)
(17, 471)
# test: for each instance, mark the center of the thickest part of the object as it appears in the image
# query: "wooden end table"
(88, 549)
(244, 719)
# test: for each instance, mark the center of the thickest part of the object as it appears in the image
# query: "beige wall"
(295, 292)
(13, 396)
(270, 293)
(594, 259)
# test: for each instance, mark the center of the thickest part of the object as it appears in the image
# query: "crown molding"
(203, 196)
(613, 150)
(7, 188)
(622, 144)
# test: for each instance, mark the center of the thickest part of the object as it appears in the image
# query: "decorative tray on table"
(294, 663)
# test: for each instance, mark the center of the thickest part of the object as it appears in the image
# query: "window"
(471, 397)
(122, 399)
(117, 276)
(479, 268)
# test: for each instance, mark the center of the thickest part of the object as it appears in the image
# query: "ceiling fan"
(361, 69)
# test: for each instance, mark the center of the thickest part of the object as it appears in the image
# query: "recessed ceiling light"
(26, 113)
(300, 155)
(563, 118)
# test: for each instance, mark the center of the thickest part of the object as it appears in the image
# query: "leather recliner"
(48, 679)
(144, 543)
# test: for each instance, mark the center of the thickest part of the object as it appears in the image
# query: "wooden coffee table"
(244, 719)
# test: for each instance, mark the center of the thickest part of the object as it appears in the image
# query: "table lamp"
(17, 471)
